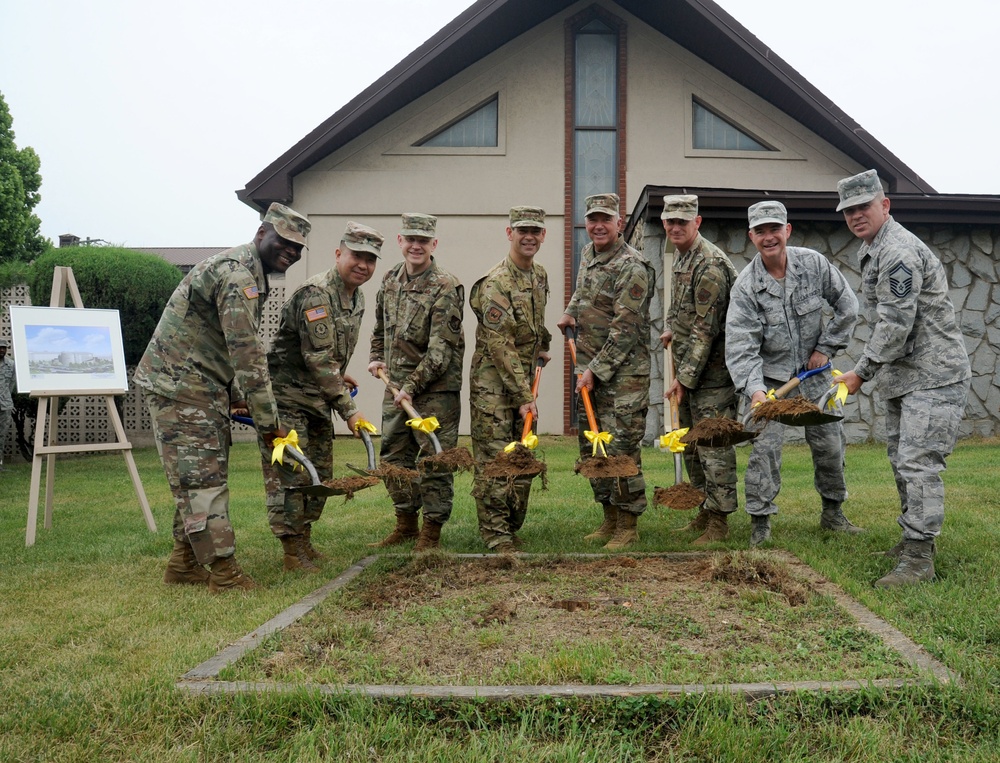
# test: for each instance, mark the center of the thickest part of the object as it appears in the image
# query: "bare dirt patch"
(442, 620)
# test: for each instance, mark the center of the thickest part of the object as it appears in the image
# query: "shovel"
(416, 421)
(369, 449)
(801, 418)
(528, 439)
(683, 495)
(517, 459)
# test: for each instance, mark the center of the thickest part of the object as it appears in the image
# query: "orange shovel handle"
(584, 392)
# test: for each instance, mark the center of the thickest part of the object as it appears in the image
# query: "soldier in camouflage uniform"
(418, 342)
(917, 357)
(207, 339)
(775, 328)
(610, 311)
(6, 397)
(695, 332)
(309, 355)
(509, 303)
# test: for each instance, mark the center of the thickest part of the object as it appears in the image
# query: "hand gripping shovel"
(517, 459)
(594, 467)
(797, 412)
(683, 495)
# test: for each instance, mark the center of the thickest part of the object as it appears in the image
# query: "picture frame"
(67, 350)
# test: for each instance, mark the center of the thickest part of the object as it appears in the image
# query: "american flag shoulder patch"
(251, 292)
(315, 314)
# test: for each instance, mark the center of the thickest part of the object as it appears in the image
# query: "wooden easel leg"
(50, 463)
(36, 472)
(130, 462)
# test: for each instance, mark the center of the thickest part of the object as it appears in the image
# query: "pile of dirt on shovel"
(708, 430)
(518, 462)
(392, 473)
(793, 406)
(348, 486)
(598, 467)
(451, 460)
(680, 497)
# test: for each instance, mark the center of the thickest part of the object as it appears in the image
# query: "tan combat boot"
(307, 545)
(607, 528)
(625, 532)
(295, 555)
(226, 575)
(183, 567)
(698, 524)
(716, 529)
(505, 547)
(406, 529)
(430, 535)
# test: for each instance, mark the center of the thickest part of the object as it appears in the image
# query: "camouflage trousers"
(402, 446)
(826, 442)
(921, 430)
(711, 470)
(289, 512)
(6, 420)
(193, 444)
(620, 408)
(501, 504)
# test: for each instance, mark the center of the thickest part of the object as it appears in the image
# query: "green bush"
(136, 284)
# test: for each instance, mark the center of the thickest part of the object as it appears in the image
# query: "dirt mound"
(348, 486)
(598, 467)
(515, 463)
(752, 570)
(680, 497)
(771, 409)
(451, 460)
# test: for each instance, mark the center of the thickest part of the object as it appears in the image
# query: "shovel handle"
(534, 394)
(584, 392)
(675, 417)
(405, 403)
(792, 383)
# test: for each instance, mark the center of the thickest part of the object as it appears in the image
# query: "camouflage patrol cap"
(361, 238)
(416, 224)
(527, 217)
(681, 207)
(764, 212)
(3, 344)
(288, 223)
(858, 189)
(602, 202)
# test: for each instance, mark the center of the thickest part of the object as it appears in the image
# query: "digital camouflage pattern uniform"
(917, 357)
(316, 337)
(418, 335)
(509, 304)
(206, 338)
(611, 308)
(771, 330)
(701, 281)
(7, 382)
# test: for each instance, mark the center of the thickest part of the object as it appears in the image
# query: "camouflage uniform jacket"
(702, 279)
(915, 340)
(207, 336)
(611, 308)
(773, 328)
(6, 385)
(316, 337)
(509, 304)
(418, 330)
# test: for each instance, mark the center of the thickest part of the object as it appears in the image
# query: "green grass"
(91, 642)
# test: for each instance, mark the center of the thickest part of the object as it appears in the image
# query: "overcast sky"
(148, 116)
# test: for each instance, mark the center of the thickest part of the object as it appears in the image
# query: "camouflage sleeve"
(632, 290)
(744, 337)
(320, 351)
(544, 340)
(897, 294)
(444, 336)
(495, 338)
(839, 295)
(235, 293)
(377, 352)
(710, 287)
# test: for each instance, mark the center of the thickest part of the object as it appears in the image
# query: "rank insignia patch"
(900, 281)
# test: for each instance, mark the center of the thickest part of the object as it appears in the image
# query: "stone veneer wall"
(969, 254)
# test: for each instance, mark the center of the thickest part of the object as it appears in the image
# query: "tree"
(19, 184)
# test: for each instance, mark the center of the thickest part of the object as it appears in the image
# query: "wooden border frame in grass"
(203, 679)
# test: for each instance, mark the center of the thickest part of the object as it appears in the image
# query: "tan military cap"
(680, 207)
(527, 217)
(416, 224)
(858, 189)
(602, 202)
(764, 212)
(288, 223)
(361, 238)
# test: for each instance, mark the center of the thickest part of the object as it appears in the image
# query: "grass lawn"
(91, 642)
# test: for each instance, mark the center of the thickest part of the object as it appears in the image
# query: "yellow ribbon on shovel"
(530, 442)
(427, 425)
(279, 449)
(841, 394)
(672, 440)
(365, 426)
(599, 440)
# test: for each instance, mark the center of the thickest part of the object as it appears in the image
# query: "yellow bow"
(279, 448)
(769, 396)
(840, 396)
(598, 439)
(672, 440)
(427, 425)
(365, 426)
(530, 442)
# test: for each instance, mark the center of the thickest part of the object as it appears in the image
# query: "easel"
(48, 409)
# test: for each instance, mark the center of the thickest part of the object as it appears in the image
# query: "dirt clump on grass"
(348, 486)
(598, 467)
(794, 406)
(748, 570)
(450, 460)
(680, 497)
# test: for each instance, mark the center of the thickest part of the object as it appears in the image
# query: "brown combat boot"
(916, 565)
(505, 547)
(625, 532)
(698, 524)
(406, 529)
(307, 545)
(183, 567)
(295, 555)
(716, 529)
(226, 575)
(430, 535)
(607, 528)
